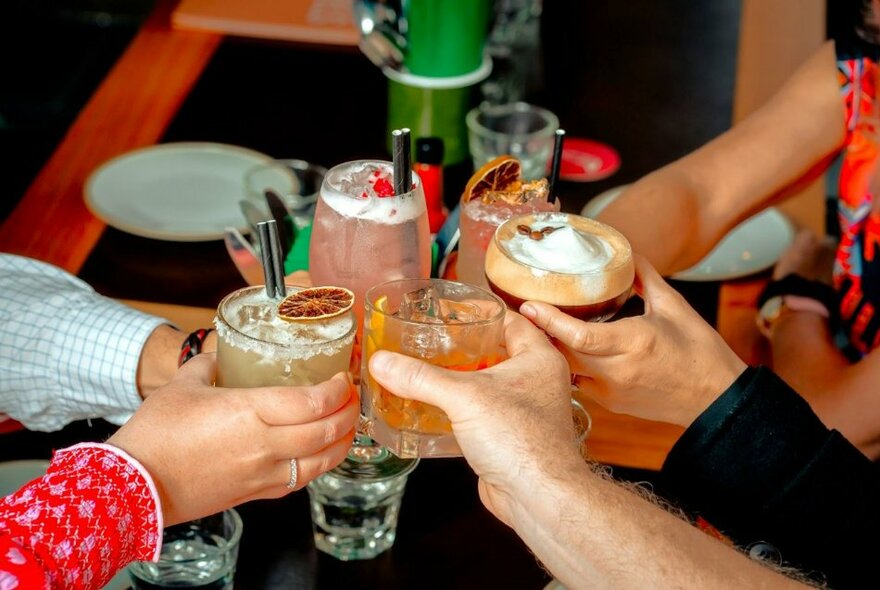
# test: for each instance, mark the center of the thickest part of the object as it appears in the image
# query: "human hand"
(808, 256)
(512, 421)
(209, 448)
(666, 365)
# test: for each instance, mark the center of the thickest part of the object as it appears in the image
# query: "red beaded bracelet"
(193, 345)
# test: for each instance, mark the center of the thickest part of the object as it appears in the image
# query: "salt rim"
(388, 210)
(340, 333)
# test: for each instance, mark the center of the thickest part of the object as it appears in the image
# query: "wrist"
(158, 361)
(794, 294)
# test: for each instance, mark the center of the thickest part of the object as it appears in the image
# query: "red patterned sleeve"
(95, 511)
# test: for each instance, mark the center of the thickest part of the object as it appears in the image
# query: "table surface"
(174, 85)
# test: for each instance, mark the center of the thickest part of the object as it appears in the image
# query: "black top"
(760, 467)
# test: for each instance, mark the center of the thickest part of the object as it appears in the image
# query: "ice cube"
(422, 305)
(458, 312)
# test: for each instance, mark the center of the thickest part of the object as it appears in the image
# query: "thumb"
(413, 378)
(199, 369)
(650, 286)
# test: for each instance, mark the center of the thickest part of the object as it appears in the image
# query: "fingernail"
(528, 310)
(379, 363)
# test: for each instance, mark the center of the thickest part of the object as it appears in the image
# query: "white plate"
(185, 192)
(752, 246)
(14, 474)
(554, 584)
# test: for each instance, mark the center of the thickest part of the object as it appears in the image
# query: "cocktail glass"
(256, 348)
(582, 266)
(363, 234)
(452, 325)
(478, 223)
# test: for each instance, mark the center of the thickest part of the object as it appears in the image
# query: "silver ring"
(291, 483)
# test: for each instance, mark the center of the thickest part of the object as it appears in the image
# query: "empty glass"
(522, 130)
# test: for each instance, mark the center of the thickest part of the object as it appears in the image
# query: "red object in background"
(9, 425)
(584, 160)
(428, 165)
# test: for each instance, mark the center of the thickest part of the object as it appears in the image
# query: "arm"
(843, 394)
(513, 423)
(675, 215)
(786, 479)
(94, 511)
(101, 506)
(68, 353)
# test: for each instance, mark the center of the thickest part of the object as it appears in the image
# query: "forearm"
(605, 535)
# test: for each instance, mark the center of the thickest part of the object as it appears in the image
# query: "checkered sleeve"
(66, 352)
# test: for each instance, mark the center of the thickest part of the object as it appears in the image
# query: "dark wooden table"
(656, 89)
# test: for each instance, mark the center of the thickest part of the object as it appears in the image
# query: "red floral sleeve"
(95, 511)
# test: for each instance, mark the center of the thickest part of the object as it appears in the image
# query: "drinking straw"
(402, 158)
(273, 264)
(557, 162)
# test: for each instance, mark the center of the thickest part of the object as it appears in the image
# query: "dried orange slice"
(315, 303)
(500, 174)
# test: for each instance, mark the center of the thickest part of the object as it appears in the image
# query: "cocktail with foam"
(580, 265)
(364, 233)
(256, 347)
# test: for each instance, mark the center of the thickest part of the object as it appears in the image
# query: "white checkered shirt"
(66, 352)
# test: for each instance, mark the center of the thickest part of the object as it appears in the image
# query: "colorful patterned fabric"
(95, 511)
(857, 267)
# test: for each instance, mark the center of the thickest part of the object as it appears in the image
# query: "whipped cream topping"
(563, 250)
(348, 190)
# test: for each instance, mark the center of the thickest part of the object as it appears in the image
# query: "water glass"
(196, 554)
(355, 506)
(519, 129)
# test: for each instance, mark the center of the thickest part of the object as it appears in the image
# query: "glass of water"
(199, 553)
(519, 129)
(355, 506)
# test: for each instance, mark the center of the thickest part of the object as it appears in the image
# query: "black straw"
(273, 265)
(557, 163)
(402, 158)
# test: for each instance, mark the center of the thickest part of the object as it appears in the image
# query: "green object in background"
(435, 259)
(445, 37)
(431, 112)
(298, 257)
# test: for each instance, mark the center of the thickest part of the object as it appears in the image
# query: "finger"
(521, 335)
(299, 405)
(650, 286)
(412, 378)
(585, 337)
(200, 369)
(308, 467)
(309, 438)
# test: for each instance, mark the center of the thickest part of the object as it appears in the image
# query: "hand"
(512, 421)
(809, 257)
(209, 448)
(666, 365)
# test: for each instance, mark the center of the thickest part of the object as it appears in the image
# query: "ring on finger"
(291, 482)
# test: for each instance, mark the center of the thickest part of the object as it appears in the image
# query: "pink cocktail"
(364, 234)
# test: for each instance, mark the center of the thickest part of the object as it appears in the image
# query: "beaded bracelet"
(193, 345)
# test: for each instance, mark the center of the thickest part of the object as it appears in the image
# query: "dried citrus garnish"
(498, 175)
(315, 303)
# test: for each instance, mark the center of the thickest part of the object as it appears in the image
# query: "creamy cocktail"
(580, 265)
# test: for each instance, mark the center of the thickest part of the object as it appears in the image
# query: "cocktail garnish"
(536, 234)
(500, 174)
(315, 303)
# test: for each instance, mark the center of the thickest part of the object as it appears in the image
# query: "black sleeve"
(759, 466)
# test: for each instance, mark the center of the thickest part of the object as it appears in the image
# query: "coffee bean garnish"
(536, 234)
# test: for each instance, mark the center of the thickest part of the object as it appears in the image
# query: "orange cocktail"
(448, 324)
